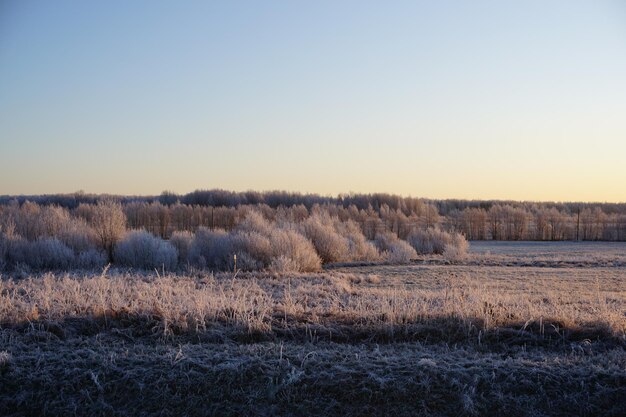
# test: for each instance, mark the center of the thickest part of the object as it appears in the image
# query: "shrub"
(78, 236)
(262, 243)
(359, 248)
(91, 259)
(394, 250)
(436, 241)
(215, 250)
(33, 222)
(330, 245)
(456, 250)
(16, 250)
(211, 249)
(140, 249)
(48, 253)
(254, 251)
(255, 222)
(109, 223)
(247, 262)
(181, 240)
(283, 264)
(4, 248)
(297, 248)
(429, 241)
(400, 252)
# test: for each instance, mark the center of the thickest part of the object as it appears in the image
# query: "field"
(517, 329)
(554, 254)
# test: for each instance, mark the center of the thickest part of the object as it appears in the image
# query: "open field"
(567, 248)
(421, 339)
(552, 253)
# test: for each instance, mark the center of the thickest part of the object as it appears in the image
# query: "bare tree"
(109, 222)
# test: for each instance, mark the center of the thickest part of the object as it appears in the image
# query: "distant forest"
(375, 213)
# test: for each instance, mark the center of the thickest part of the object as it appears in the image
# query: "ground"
(519, 329)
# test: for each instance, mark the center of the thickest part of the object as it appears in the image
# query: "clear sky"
(520, 100)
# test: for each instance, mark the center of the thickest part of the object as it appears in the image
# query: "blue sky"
(450, 99)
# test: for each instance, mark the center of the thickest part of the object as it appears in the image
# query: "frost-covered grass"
(455, 304)
(109, 375)
(384, 339)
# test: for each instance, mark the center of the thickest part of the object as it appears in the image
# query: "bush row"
(256, 242)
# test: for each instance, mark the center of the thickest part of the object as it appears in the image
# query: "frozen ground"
(550, 254)
(522, 329)
(548, 248)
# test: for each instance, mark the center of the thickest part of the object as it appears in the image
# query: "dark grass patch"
(104, 375)
(336, 329)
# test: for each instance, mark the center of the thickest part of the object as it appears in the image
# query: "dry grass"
(456, 305)
(420, 339)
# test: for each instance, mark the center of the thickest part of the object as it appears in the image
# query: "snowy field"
(554, 254)
(517, 329)
(526, 248)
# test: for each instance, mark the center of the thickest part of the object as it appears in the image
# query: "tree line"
(375, 213)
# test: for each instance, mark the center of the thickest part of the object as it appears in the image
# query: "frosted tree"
(109, 223)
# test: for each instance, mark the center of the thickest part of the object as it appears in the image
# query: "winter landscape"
(329, 208)
(329, 309)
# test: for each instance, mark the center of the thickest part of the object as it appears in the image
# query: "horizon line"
(306, 193)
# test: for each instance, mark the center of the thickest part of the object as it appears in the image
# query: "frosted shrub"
(259, 240)
(254, 251)
(400, 252)
(298, 249)
(16, 251)
(45, 253)
(108, 222)
(337, 241)
(247, 262)
(48, 253)
(257, 243)
(429, 241)
(4, 247)
(330, 245)
(359, 248)
(211, 249)
(181, 240)
(394, 250)
(56, 222)
(78, 236)
(140, 249)
(438, 241)
(283, 264)
(255, 222)
(91, 259)
(52, 230)
(456, 250)
(216, 250)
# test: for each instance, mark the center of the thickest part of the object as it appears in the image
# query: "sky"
(446, 99)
